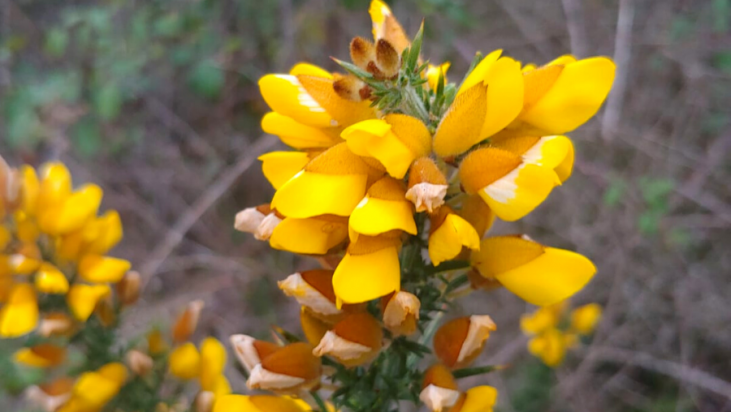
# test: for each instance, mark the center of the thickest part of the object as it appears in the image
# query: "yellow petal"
(31, 189)
(93, 390)
(82, 299)
(55, 186)
(312, 327)
(500, 254)
(446, 241)
(256, 403)
(478, 214)
(550, 347)
(460, 126)
(575, 96)
(360, 278)
(566, 167)
(395, 141)
(504, 83)
(539, 321)
(433, 73)
(520, 191)
(285, 95)
(102, 269)
(552, 277)
(19, 315)
(565, 59)
(103, 233)
(296, 134)
(479, 399)
(278, 167)
(73, 213)
(5, 237)
(49, 279)
(41, 356)
(374, 216)
(343, 111)
(314, 235)
(385, 26)
(212, 362)
(310, 69)
(585, 318)
(478, 74)
(185, 361)
(310, 194)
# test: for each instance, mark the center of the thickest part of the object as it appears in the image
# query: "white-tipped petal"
(266, 227)
(261, 378)
(334, 345)
(399, 307)
(245, 351)
(477, 334)
(438, 399)
(248, 220)
(427, 196)
(41, 399)
(294, 285)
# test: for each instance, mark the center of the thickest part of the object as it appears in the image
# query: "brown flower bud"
(401, 312)
(458, 342)
(287, 370)
(427, 185)
(128, 289)
(56, 324)
(105, 311)
(187, 321)
(50, 396)
(259, 221)
(387, 58)
(139, 363)
(439, 390)
(353, 341)
(362, 52)
(204, 401)
(250, 351)
(349, 87)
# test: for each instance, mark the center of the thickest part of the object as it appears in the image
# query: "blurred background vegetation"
(157, 102)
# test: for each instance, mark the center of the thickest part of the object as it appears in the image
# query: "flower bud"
(139, 363)
(313, 289)
(50, 396)
(105, 311)
(458, 342)
(128, 289)
(427, 185)
(387, 58)
(187, 321)
(362, 52)
(250, 351)
(56, 324)
(585, 318)
(439, 389)
(448, 234)
(185, 361)
(260, 221)
(289, 369)
(204, 401)
(353, 341)
(350, 88)
(401, 312)
(156, 343)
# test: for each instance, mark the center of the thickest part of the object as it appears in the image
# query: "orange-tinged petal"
(45, 355)
(309, 69)
(460, 127)
(278, 167)
(312, 327)
(296, 134)
(315, 235)
(19, 315)
(82, 299)
(478, 214)
(102, 269)
(187, 322)
(385, 26)
(344, 112)
(574, 98)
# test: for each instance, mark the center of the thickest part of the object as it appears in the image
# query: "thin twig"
(622, 57)
(176, 234)
(575, 27)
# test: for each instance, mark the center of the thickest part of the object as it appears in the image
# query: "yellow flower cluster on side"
(359, 177)
(53, 243)
(550, 339)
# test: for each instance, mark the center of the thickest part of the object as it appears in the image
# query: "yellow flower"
(314, 235)
(82, 299)
(386, 27)
(313, 289)
(45, 355)
(550, 346)
(250, 351)
(585, 318)
(439, 390)
(565, 93)
(539, 274)
(19, 315)
(95, 389)
(401, 313)
(449, 233)
(477, 399)
(287, 370)
(369, 270)
(383, 209)
(256, 403)
(544, 318)
(187, 362)
(353, 341)
(278, 167)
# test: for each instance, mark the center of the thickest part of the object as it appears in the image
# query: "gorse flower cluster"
(396, 179)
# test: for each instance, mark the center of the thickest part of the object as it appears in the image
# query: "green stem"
(413, 105)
